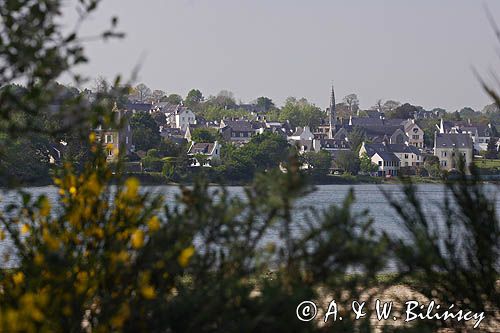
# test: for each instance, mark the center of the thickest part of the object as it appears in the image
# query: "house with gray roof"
(450, 147)
(237, 131)
(204, 153)
(382, 155)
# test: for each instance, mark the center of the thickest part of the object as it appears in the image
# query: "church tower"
(332, 115)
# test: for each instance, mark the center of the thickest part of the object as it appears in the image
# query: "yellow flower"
(72, 190)
(148, 292)
(2, 235)
(92, 137)
(132, 185)
(52, 242)
(18, 278)
(154, 224)
(38, 259)
(137, 239)
(45, 207)
(62, 191)
(185, 256)
(25, 229)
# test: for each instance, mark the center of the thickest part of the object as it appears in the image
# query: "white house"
(209, 151)
(181, 118)
(388, 163)
(382, 155)
(449, 147)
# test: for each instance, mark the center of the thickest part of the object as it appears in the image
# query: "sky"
(421, 52)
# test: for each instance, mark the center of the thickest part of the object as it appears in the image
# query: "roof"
(372, 148)
(201, 148)
(387, 156)
(141, 107)
(372, 121)
(374, 114)
(239, 125)
(453, 140)
(298, 131)
(334, 144)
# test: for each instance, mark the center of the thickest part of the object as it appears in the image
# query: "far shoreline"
(150, 180)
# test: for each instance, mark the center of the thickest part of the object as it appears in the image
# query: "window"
(416, 137)
(126, 139)
(110, 152)
(379, 163)
(108, 138)
(443, 154)
(241, 134)
(443, 163)
(406, 155)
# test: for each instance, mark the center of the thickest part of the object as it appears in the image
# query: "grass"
(487, 164)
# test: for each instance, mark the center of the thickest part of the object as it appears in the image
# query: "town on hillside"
(175, 138)
(386, 141)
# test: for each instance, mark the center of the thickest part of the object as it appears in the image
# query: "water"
(368, 197)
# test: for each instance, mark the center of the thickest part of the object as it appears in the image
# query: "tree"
(491, 108)
(319, 162)
(265, 103)
(491, 150)
(157, 95)
(145, 131)
(431, 164)
(301, 113)
(379, 106)
(348, 161)
(194, 97)
(352, 102)
(356, 137)
(205, 135)
(143, 92)
(366, 165)
(390, 106)
(174, 99)
(224, 99)
(405, 111)
(467, 112)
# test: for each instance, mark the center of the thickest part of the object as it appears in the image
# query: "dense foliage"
(107, 257)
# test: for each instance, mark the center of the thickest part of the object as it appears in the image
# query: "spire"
(332, 114)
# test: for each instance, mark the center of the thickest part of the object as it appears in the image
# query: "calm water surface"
(368, 197)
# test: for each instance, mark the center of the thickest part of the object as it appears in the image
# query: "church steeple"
(332, 115)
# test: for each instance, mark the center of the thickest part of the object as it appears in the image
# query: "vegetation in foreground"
(117, 260)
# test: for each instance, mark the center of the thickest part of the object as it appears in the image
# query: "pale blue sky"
(412, 51)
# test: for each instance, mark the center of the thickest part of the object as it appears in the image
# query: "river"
(368, 197)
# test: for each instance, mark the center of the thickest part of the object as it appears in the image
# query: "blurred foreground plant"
(107, 258)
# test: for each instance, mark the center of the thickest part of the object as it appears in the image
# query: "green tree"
(348, 161)
(405, 111)
(301, 113)
(174, 99)
(318, 162)
(201, 134)
(193, 98)
(145, 131)
(265, 103)
(491, 150)
(366, 165)
(431, 164)
(356, 138)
